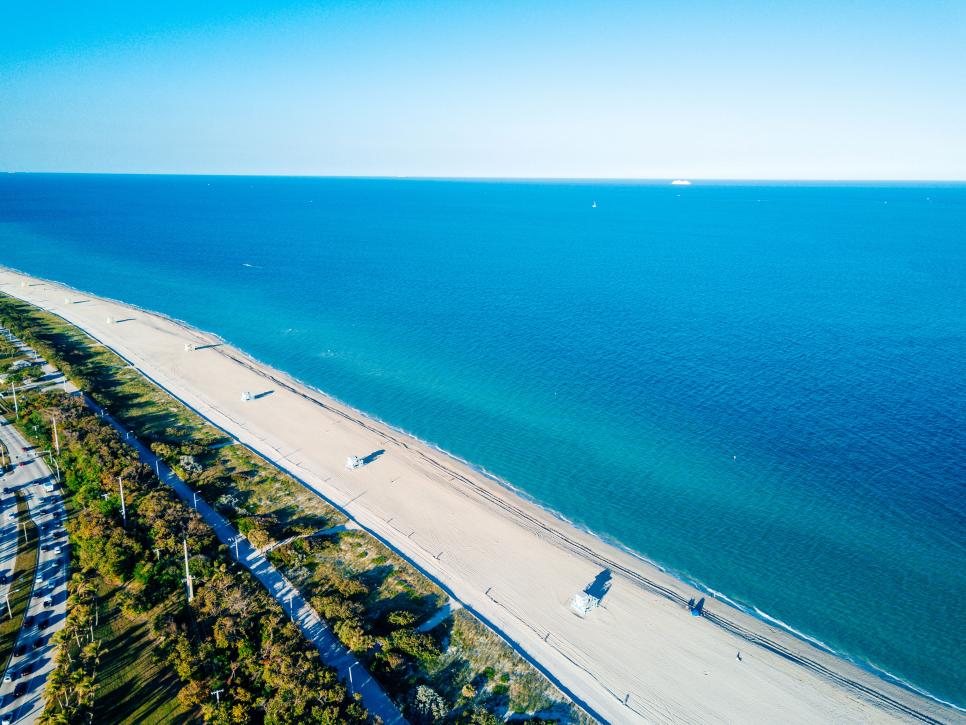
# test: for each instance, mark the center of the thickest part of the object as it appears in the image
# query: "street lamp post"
(187, 572)
(123, 509)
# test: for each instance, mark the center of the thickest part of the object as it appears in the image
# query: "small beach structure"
(583, 603)
(188, 347)
(247, 396)
(353, 462)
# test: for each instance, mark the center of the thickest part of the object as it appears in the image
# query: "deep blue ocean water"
(760, 387)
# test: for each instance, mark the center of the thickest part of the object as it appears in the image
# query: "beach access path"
(640, 657)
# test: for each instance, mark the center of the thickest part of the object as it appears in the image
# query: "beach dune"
(639, 657)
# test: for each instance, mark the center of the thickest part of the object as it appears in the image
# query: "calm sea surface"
(760, 387)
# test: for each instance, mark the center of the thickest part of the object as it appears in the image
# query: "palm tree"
(56, 685)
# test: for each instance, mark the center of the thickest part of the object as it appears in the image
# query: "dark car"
(28, 620)
(20, 651)
(44, 624)
(6, 489)
(3, 578)
(21, 690)
(26, 670)
(38, 643)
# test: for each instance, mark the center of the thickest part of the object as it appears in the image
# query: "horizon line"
(421, 177)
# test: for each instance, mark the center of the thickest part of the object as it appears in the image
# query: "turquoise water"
(761, 387)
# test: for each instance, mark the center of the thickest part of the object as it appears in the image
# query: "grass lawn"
(21, 586)
(134, 685)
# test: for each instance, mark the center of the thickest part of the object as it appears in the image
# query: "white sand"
(505, 559)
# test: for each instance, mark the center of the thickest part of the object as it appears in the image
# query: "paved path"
(347, 526)
(303, 614)
(442, 613)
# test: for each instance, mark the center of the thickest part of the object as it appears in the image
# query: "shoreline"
(547, 524)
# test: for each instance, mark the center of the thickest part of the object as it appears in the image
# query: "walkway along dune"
(639, 657)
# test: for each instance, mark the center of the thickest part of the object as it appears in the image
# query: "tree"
(426, 705)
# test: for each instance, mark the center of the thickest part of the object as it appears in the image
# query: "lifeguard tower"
(353, 462)
(247, 396)
(583, 604)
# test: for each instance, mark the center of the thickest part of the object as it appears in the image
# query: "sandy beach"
(639, 658)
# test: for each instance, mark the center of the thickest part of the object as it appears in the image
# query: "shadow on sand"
(372, 456)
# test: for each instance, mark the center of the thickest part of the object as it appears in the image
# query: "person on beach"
(739, 655)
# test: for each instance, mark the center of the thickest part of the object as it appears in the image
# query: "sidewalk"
(332, 651)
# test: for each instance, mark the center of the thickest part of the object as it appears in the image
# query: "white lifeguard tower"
(188, 347)
(353, 462)
(247, 396)
(110, 320)
(583, 603)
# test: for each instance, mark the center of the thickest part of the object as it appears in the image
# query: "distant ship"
(594, 205)
(680, 182)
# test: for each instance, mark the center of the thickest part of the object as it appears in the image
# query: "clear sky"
(850, 89)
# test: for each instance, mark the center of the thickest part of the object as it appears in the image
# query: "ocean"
(760, 387)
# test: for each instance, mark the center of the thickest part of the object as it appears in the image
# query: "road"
(47, 511)
(332, 652)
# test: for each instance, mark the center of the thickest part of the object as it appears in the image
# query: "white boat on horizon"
(680, 182)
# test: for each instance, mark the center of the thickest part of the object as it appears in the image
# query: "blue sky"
(851, 89)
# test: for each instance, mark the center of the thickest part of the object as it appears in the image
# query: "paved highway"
(33, 660)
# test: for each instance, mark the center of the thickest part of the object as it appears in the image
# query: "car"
(20, 651)
(21, 690)
(28, 620)
(39, 579)
(27, 669)
(11, 515)
(7, 720)
(3, 578)
(8, 677)
(43, 625)
(49, 487)
(57, 550)
(6, 489)
(48, 603)
(38, 643)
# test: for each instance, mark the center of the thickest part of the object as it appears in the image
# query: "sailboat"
(594, 205)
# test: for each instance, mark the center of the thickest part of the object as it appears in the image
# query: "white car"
(57, 550)
(49, 487)
(11, 515)
(39, 579)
